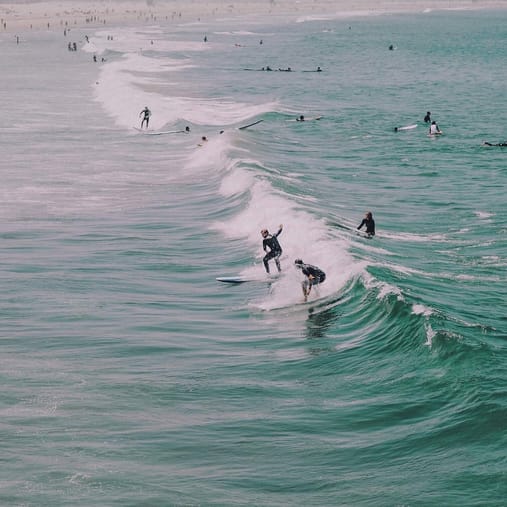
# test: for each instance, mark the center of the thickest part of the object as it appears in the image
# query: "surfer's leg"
(266, 264)
(277, 262)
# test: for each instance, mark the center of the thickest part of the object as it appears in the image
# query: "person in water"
(301, 118)
(146, 113)
(270, 242)
(427, 118)
(485, 143)
(313, 274)
(369, 223)
(434, 129)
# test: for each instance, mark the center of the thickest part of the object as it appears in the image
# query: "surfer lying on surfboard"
(485, 143)
(314, 276)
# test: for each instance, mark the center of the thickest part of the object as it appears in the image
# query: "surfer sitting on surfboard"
(434, 129)
(275, 250)
(314, 276)
(370, 224)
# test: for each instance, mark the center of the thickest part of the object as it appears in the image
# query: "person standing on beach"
(146, 118)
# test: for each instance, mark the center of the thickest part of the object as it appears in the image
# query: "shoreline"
(59, 15)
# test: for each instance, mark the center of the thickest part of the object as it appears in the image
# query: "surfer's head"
(298, 263)
(264, 233)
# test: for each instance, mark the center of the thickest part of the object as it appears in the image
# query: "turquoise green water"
(132, 377)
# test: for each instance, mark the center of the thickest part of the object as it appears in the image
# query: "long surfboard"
(408, 127)
(243, 279)
(314, 118)
(249, 125)
(232, 279)
(151, 133)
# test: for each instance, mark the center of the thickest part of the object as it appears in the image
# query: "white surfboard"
(408, 127)
(152, 133)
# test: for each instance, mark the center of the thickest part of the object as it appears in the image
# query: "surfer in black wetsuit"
(146, 118)
(314, 276)
(275, 250)
(485, 143)
(427, 118)
(370, 224)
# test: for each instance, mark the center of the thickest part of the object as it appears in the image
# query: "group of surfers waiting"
(434, 128)
(313, 274)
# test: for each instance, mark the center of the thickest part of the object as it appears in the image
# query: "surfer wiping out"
(314, 276)
(270, 242)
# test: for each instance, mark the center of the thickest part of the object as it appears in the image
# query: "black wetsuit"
(275, 250)
(318, 275)
(498, 144)
(370, 226)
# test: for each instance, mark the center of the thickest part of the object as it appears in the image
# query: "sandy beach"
(59, 15)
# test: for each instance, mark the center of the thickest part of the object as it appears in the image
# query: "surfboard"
(151, 133)
(315, 118)
(249, 125)
(408, 127)
(232, 279)
(363, 234)
(244, 279)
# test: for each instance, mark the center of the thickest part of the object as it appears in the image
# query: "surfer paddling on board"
(486, 143)
(146, 113)
(370, 224)
(313, 274)
(270, 242)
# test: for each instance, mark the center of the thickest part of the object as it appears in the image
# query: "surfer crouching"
(314, 276)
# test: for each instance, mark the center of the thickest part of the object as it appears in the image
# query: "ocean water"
(131, 377)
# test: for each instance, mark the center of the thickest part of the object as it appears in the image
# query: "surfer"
(434, 129)
(146, 116)
(314, 276)
(301, 118)
(427, 118)
(370, 224)
(485, 143)
(275, 250)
